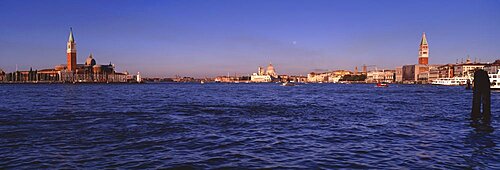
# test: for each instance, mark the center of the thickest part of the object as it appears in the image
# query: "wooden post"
(481, 96)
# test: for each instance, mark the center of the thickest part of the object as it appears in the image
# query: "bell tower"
(71, 52)
(423, 51)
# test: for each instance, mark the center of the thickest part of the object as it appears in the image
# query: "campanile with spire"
(71, 52)
(423, 51)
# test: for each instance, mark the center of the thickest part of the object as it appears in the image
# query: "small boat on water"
(202, 82)
(288, 84)
(495, 80)
(382, 84)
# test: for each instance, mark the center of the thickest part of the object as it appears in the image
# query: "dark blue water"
(243, 126)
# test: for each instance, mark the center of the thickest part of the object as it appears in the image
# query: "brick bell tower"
(423, 51)
(71, 52)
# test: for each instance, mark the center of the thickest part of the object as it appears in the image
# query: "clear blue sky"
(214, 37)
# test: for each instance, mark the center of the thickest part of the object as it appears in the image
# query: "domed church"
(269, 76)
(270, 71)
(90, 71)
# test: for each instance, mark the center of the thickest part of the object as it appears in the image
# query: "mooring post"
(481, 96)
(468, 85)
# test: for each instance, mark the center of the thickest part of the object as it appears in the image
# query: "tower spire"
(71, 38)
(424, 39)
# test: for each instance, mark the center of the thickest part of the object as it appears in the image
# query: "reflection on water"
(481, 145)
(313, 126)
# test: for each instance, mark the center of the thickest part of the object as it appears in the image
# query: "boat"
(459, 81)
(202, 82)
(455, 81)
(382, 84)
(288, 84)
(495, 80)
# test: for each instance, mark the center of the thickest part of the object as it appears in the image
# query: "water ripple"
(315, 126)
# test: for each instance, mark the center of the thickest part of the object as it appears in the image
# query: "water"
(242, 125)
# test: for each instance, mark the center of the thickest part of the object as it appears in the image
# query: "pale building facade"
(327, 77)
(466, 69)
(318, 77)
(260, 78)
(380, 76)
(399, 74)
(269, 75)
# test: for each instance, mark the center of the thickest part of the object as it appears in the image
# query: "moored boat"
(288, 84)
(455, 81)
(495, 80)
(459, 81)
(382, 84)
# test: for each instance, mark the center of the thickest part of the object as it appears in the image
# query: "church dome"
(90, 61)
(270, 70)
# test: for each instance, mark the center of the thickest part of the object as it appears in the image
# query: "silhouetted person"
(481, 95)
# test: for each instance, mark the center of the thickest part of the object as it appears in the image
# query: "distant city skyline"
(211, 38)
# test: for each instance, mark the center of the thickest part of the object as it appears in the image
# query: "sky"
(206, 38)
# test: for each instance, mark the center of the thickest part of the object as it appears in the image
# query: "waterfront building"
(327, 77)
(467, 69)
(183, 79)
(411, 72)
(269, 75)
(446, 71)
(284, 78)
(341, 73)
(423, 51)
(318, 77)
(260, 78)
(260, 71)
(377, 76)
(430, 75)
(324, 77)
(337, 75)
(493, 67)
(90, 71)
(2, 75)
(232, 79)
(30, 76)
(298, 79)
(399, 74)
(334, 79)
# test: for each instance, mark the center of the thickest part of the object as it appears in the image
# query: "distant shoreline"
(70, 83)
(189, 83)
